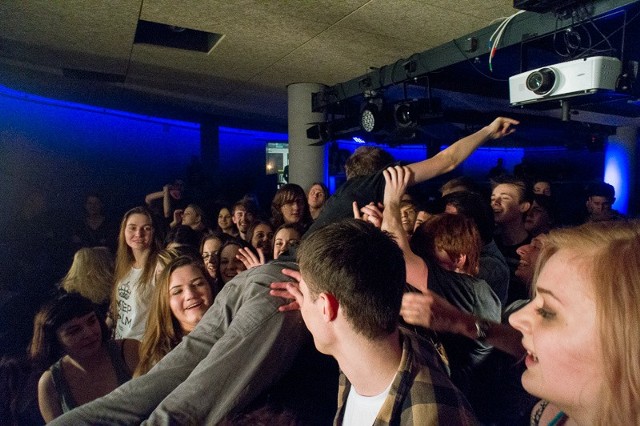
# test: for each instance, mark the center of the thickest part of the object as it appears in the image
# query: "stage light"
(371, 117)
(405, 115)
(320, 131)
(410, 114)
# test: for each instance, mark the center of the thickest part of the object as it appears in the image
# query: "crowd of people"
(369, 306)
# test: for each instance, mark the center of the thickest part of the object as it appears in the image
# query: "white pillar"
(307, 164)
(620, 168)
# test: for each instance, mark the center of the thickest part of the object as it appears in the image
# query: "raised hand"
(397, 180)
(249, 259)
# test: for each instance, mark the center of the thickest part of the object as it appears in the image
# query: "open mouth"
(194, 306)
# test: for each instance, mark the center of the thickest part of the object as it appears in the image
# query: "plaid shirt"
(421, 393)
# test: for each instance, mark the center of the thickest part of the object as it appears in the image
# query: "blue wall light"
(616, 172)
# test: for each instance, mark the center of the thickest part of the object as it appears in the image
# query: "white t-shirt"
(362, 410)
(133, 306)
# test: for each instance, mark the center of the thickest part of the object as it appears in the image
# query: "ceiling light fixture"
(371, 117)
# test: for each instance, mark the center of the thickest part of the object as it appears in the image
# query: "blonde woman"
(134, 273)
(581, 329)
(182, 296)
(91, 275)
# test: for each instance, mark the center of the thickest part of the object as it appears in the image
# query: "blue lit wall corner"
(621, 158)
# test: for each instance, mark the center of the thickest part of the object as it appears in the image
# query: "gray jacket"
(239, 350)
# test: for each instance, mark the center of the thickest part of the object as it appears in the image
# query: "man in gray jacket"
(243, 354)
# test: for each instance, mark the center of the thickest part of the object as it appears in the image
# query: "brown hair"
(455, 234)
(366, 160)
(286, 194)
(163, 332)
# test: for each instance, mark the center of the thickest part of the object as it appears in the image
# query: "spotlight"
(410, 66)
(320, 131)
(371, 117)
(406, 115)
(410, 114)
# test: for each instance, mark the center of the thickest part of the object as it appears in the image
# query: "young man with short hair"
(600, 198)
(243, 214)
(510, 202)
(351, 283)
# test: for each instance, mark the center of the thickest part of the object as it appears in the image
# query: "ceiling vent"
(175, 37)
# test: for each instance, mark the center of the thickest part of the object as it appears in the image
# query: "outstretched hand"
(431, 311)
(249, 259)
(287, 290)
(501, 127)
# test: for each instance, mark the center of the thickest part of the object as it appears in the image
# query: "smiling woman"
(182, 296)
(580, 331)
(71, 341)
(135, 265)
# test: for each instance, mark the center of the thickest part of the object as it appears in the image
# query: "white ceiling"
(266, 46)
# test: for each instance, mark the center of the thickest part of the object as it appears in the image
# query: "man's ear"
(525, 206)
(330, 306)
(459, 263)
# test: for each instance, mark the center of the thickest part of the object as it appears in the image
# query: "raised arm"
(450, 158)
(149, 198)
(396, 181)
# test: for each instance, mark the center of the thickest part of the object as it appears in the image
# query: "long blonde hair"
(610, 252)
(125, 259)
(163, 331)
(91, 274)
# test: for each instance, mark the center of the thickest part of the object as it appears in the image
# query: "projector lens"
(542, 81)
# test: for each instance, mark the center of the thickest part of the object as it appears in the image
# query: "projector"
(565, 80)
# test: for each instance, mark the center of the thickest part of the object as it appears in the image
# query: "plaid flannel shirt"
(421, 393)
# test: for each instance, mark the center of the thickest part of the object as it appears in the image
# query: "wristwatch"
(482, 328)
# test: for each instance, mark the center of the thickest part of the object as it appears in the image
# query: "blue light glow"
(616, 172)
(27, 97)
(62, 150)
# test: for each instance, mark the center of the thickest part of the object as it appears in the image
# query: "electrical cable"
(478, 70)
(498, 36)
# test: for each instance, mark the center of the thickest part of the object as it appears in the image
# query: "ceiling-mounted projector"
(565, 80)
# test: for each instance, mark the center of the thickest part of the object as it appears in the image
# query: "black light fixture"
(322, 131)
(405, 114)
(411, 113)
(371, 117)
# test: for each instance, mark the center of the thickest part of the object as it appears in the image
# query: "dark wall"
(53, 153)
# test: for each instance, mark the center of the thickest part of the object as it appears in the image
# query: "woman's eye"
(545, 314)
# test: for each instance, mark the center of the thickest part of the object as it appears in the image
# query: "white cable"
(499, 31)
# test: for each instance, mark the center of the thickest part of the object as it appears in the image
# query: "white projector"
(565, 80)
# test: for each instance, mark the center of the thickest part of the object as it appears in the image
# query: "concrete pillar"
(307, 164)
(620, 169)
